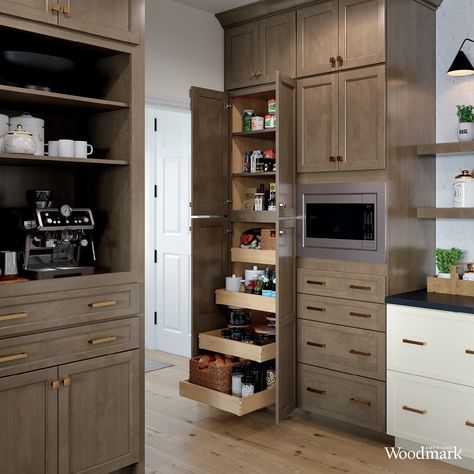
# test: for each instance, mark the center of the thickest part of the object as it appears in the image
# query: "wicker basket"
(215, 377)
(268, 240)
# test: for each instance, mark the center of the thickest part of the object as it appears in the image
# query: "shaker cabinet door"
(317, 42)
(318, 124)
(45, 11)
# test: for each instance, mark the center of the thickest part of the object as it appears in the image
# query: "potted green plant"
(445, 258)
(466, 126)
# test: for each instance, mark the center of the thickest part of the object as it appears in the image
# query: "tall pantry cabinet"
(71, 349)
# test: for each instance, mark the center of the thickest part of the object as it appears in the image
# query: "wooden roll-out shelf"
(246, 300)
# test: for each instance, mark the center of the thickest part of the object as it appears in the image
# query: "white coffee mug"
(66, 148)
(82, 149)
(53, 148)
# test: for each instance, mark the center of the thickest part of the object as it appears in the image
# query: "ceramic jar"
(33, 125)
(463, 190)
(19, 141)
(466, 131)
(4, 129)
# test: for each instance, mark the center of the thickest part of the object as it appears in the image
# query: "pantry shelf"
(254, 175)
(445, 148)
(257, 257)
(246, 300)
(262, 217)
(236, 405)
(213, 341)
(445, 213)
(266, 134)
(13, 159)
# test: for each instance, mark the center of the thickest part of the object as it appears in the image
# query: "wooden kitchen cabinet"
(45, 11)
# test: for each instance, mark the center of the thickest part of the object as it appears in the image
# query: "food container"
(4, 129)
(239, 318)
(19, 141)
(253, 274)
(270, 121)
(272, 106)
(215, 377)
(232, 283)
(247, 120)
(258, 123)
(33, 125)
(463, 190)
(268, 239)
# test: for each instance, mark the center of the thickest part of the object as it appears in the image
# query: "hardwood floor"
(183, 436)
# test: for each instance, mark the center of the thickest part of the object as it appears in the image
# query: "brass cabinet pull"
(315, 390)
(103, 304)
(361, 402)
(12, 357)
(365, 354)
(315, 344)
(318, 283)
(359, 287)
(313, 308)
(469, 423)
(415, 410)
(332, 159)
(259, 73)
(55, 384)
(252, 74)
(10, 317)
(339, 158)
(55, 7)
(360, 315)
(468, 351)
(103, 340)
(67, 382)
(332, 61)
(340, 60)
(415, 343)
(66, 10)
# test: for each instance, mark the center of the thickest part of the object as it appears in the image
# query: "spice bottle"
(256, 373)
(237, 375)
(270, 377)
(248, 388)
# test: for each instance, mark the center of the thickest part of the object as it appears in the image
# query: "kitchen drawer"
(436, 344)
(345, 397)
(430, 412)
(32, 313)
(352, 286)
(356, 351)
(37, 351)
(345, 312)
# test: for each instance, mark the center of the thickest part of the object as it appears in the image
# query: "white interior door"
(171, 154)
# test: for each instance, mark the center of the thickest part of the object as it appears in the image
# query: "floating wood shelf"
(445, 213)
(13, 159)
(20, 95)
(261, 217)
(213, 341)
(222, 401)
(257, 257)
(246, 300)
(268, 134)
(254, 175)
(445, 148)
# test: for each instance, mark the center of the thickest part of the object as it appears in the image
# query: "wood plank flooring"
(183, 436)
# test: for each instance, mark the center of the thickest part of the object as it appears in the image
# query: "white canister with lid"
(4, 129)
(463, 190)
(253, 274)
(33, 125)
(232, 283)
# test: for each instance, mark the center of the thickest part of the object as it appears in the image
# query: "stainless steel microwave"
(342, 221)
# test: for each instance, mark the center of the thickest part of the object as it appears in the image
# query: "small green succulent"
(445, 258)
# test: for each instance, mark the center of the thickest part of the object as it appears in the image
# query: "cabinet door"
(99, 412)
(362, 119)
(317, 124)
(317, 38)
(115, 19)
(241, 56)
(28, 428)
(361, 32)
(277, 46)
(38, 10)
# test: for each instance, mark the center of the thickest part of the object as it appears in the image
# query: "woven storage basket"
(268, 240)
(215, 377)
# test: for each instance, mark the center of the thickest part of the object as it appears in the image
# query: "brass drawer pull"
(359, 353)
(66, 10)
(415, 410)
(313, 308)
(55, 384)
(468, 351)
(340, 60)
(361, 402)
(103, 340)
(318, 283)
(10, 358)
(55, 7)
(10, 317)
(103, 304)
(67, 382)
(469, 423)
(360, 315)
(315, 390)
(316, 344)
(332, 61)
(359, 287)
(332, 159)
(415, 343)
(339, 158)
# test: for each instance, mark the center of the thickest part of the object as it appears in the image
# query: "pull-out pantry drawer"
(345, 312)
(341, 285)
(437, 344)
(430, 412)
(355, 351)
(346, 397)
(37, 351)
(31, 313)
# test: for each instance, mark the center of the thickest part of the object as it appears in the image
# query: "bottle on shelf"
(248, 387)
(267, 286)
(237, 375)
(274, 282)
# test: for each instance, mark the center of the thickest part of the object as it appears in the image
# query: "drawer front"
(347, 313)
(37, 351)
(31, 313)
(345, 397)
(355, 351)
(430, 412)
(341, 285)
(436, 344)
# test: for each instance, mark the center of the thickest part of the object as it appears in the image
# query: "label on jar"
(270, 121)
(258, 123)
(272, 106)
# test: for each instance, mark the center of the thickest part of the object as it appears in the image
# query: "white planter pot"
(466, 132)
(444, 275)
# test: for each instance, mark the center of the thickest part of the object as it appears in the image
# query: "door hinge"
(227, 106)
(155, 124)
(155, 320)
(156, 256)
(156, 190)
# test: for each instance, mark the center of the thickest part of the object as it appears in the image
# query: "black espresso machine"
(55, 242)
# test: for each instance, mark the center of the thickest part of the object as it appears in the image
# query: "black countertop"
(422, 299)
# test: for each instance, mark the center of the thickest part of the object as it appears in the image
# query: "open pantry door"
(209, 208)
(286, 250)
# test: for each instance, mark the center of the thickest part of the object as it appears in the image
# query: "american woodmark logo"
(439, 453)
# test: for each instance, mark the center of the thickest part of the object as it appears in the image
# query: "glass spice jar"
(248, 338)
(237, 375)
(256, 373)
(248, 388)
(270, 377)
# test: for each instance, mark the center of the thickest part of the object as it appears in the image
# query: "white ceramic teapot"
(19, 141)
